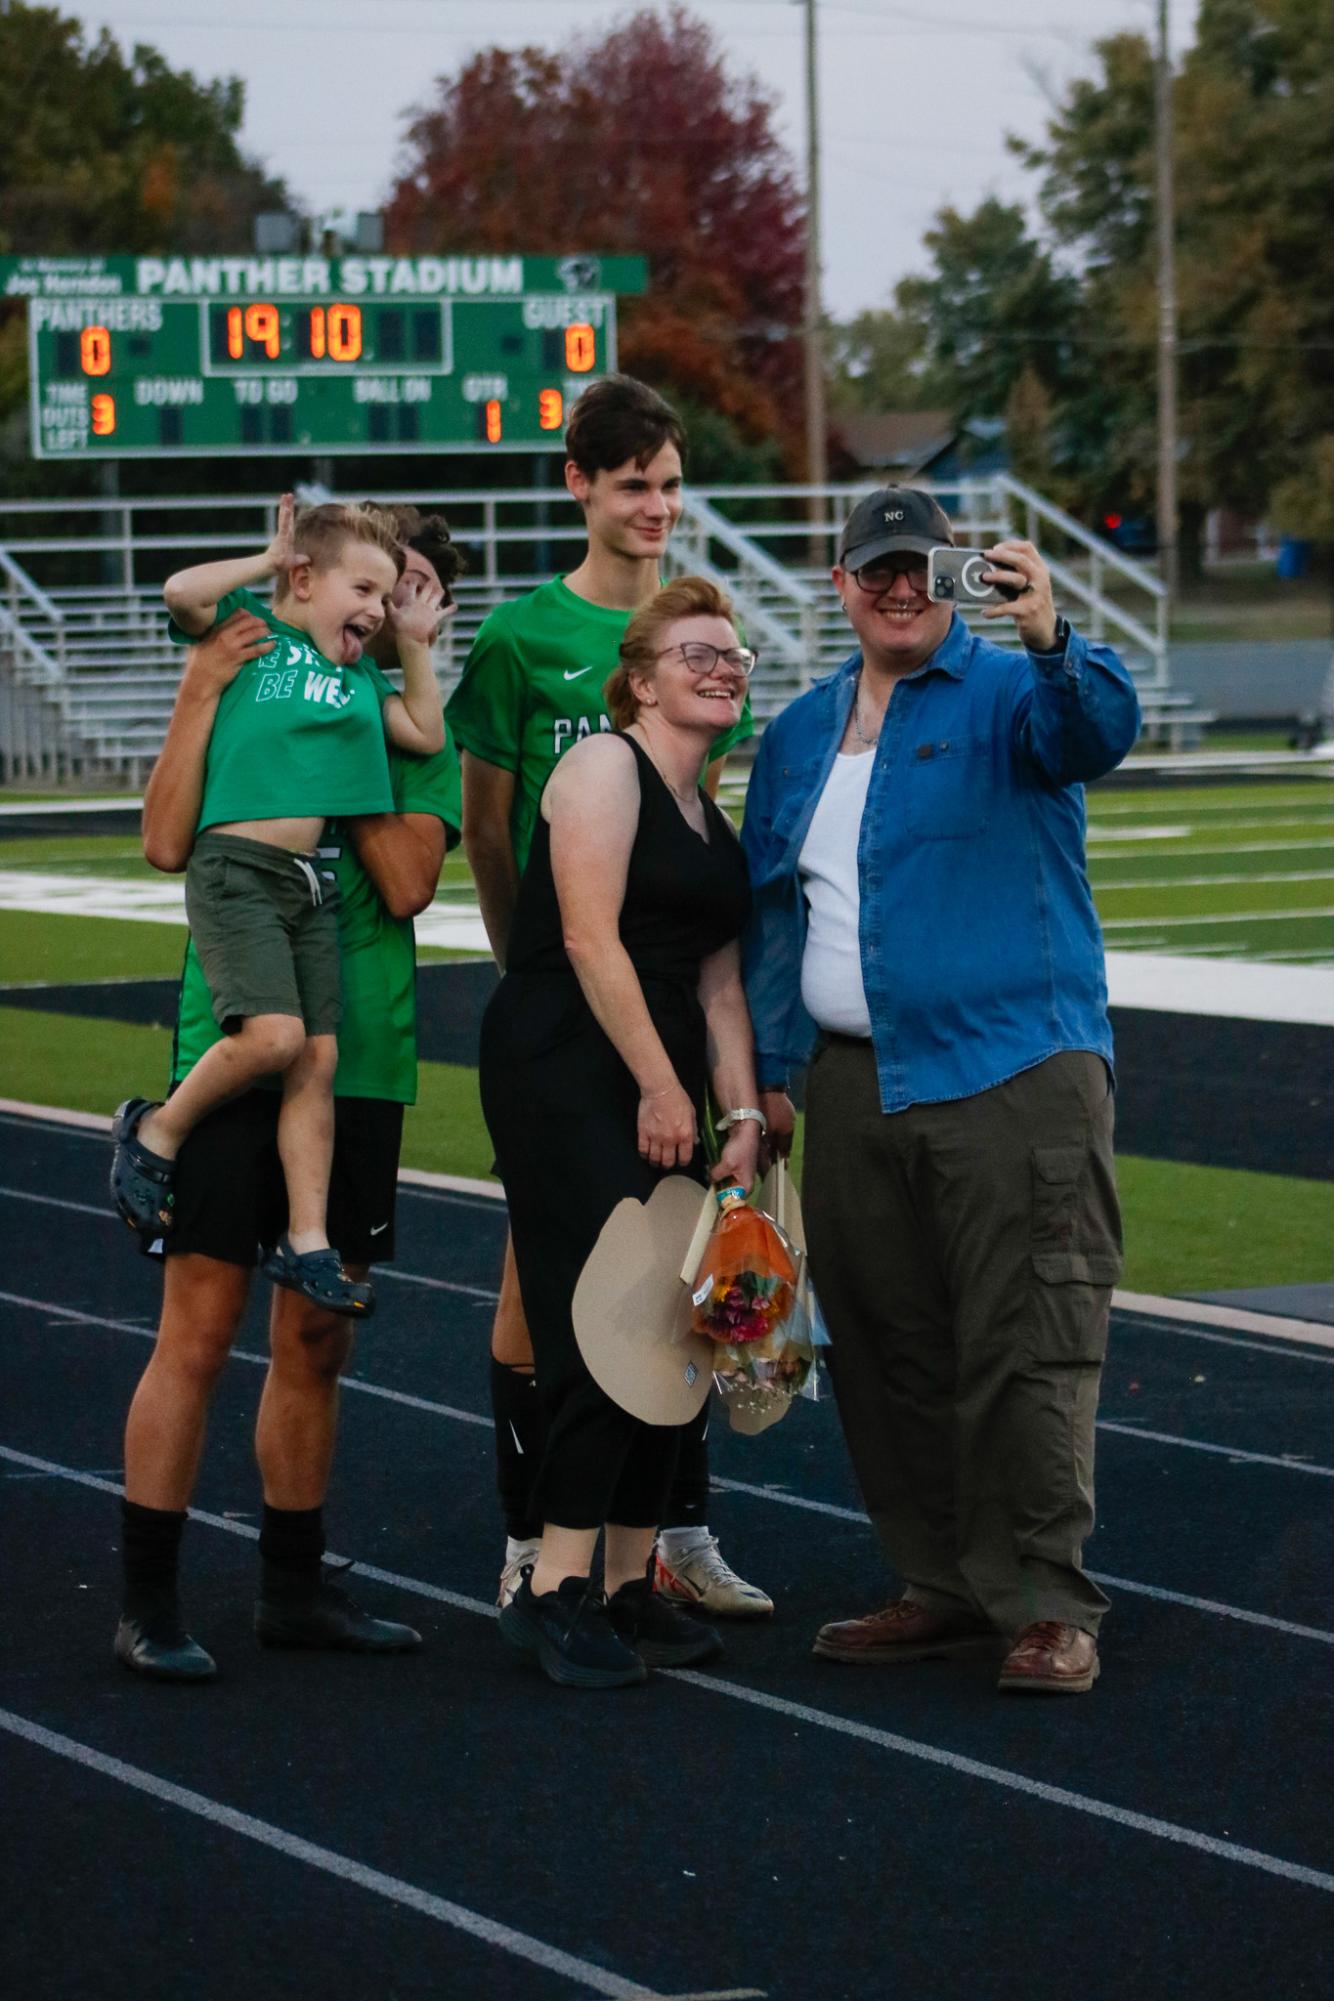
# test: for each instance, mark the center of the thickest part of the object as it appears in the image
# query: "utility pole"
(1168, 553)
(817, 463)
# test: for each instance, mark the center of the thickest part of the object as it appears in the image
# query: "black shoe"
(660, 1634)
(295, 1613)
(570, 1635)
(153, 1642)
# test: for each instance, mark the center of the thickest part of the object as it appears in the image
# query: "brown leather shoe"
(906, 1631)
(1051, 1659)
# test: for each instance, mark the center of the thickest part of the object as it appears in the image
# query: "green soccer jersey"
(532, 685)
(294, 734)
(377, 1039)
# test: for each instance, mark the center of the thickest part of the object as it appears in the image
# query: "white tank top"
(831, 967)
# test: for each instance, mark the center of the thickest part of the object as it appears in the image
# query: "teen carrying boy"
(299, 737)
(532, 686)
(229, 1183)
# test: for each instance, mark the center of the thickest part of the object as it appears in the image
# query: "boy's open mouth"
(354, 641)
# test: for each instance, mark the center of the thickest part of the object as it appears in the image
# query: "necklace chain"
(858, 731)
(681, 798)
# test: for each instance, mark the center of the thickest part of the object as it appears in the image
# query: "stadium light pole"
(817, 462)
(1168, 553)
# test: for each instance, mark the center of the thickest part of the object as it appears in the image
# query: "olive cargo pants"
(964, 1255)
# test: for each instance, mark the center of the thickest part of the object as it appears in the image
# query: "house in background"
(896, 447)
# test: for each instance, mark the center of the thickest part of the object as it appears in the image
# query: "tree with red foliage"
(638, 142)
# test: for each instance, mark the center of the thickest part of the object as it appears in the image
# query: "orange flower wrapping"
(746, 1283)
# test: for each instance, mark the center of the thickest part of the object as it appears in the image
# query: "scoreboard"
(170, 357)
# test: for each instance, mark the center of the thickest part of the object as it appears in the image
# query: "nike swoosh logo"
(578, 673)
(378, 1229)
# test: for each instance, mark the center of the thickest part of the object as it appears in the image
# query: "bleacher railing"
(81, 581)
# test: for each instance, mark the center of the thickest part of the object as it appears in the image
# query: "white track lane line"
(479, 1194)
(1211, 1605)
(1232, 1453)
(772, 1494)
(520, 1945)
(909, 1747)
(470, 1194)
(1017, 1782)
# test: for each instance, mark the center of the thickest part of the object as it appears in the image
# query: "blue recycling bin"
(1294, 558)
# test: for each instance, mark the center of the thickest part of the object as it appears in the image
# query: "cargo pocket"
(1073, 1255)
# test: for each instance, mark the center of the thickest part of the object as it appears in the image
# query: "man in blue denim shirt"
(923, 920)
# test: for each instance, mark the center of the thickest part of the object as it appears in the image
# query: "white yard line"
(1229, 917)
(1158, 882)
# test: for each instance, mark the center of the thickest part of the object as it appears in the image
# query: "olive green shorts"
(265, 926)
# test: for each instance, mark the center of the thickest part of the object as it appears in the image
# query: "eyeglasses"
(701, 658)
(873, 578)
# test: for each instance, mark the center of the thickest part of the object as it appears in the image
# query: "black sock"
(150, 1547)
(291, 1544)
(520, 1440)
(688, 1503)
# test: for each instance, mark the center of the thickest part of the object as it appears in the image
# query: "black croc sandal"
(319, 1277)
(142, 1182)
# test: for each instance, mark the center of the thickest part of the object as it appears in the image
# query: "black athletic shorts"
(231, 1202)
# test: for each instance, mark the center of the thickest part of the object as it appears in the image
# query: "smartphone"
(955, 576)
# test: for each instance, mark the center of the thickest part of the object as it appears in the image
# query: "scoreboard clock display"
(167, 357)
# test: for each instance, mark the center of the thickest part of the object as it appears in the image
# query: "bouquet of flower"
(748, 1300)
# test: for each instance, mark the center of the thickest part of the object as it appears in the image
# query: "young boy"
(531, 687)
(299, 737)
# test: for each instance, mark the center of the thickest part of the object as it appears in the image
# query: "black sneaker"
(153, 1642)
(570, 1635)
(291, 1614)
(660, 1634)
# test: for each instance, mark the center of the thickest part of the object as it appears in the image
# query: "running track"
(446, 1825)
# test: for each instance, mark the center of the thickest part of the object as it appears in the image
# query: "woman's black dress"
(562, 1109)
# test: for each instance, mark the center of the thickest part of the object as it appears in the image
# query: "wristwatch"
(1056, 650)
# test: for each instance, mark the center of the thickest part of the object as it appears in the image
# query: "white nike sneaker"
(514, 1566)
(702, 1577)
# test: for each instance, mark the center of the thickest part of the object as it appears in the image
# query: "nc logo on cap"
(894, 514)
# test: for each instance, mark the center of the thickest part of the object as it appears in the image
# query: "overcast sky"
(916, 96)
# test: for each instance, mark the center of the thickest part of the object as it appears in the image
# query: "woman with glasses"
(621, 1003)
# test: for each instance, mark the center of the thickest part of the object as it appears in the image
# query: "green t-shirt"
(532, 685)
(294, 734)
(377, 1040)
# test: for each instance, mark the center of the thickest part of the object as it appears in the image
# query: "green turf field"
(1244, 871)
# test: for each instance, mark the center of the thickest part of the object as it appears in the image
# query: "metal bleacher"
(88, 677)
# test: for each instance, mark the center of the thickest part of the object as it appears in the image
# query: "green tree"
(1254, 127)
(104, 152)
(100, 151)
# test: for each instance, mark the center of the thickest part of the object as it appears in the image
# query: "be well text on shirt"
(277, 683)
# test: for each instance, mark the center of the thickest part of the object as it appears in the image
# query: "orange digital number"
(258, 323)
(345, 333)
(493, 423)
(263, 327)
(550, 409)
(104, 415)
(318, 338)
(95, 351)
(581, 348)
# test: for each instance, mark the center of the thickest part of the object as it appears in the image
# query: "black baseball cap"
(892, 518)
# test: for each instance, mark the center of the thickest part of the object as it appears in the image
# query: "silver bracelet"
(739, 1116)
